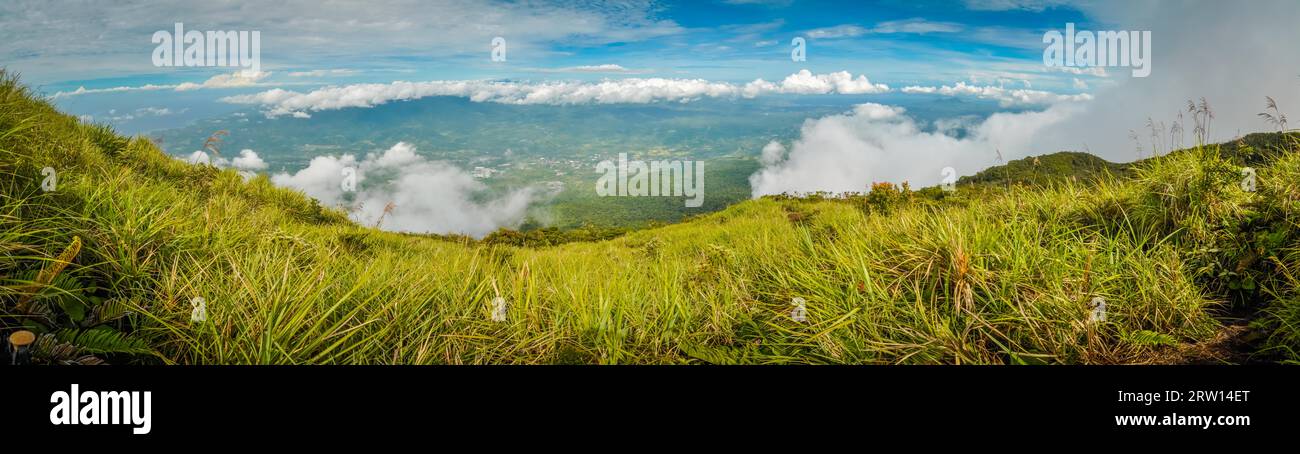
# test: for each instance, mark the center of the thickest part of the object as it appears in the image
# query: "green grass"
(1048, 169)
(982, 276)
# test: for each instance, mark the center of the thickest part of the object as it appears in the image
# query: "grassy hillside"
(1048, 169)
(108, 266)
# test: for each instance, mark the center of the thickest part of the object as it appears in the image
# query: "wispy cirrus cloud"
(915, 25)
(591, 69)
(768, 3)
(1009, 5)
(57, 39)
(838, 31)
(323, 73)
(918, 26)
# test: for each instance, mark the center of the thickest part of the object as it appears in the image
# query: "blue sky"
(903, 41)
(61, 46)
(652, 51)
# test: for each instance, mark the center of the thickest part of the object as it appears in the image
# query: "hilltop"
(132, 256)
(1047, 169)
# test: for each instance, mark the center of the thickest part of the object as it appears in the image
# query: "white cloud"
(1006, 97)
(610, 91)
(49, 41)
(838, 31)
(916, 25)
(243, 78)
(198, 157)
(805, 82)
(427, 196)
(773, 153)
(915, 89)
(155, 111)
(247, 163)
(877, 143)
(1006, 5)
(237, 79)
(1230, 36)
(323, 73)
(605, 68)
(1098, 71)
(86, 91)
(248, 160)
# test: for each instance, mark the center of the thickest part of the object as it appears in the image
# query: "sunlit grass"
(1004, 277)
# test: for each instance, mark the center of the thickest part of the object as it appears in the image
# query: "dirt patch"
(1234, 344)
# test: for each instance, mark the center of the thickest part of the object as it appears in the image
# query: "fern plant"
(75, 325)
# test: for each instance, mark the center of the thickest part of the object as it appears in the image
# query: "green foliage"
(103, 340)
(1047, 170)
(551, 236)
(886, 196)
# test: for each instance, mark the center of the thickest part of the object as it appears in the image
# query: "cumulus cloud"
(247, 162)
(805, 82)
(243, 78)
(1006, 97)
(237, 79)
(630, 90)
(199, 157)
(427, 196)
(772, 153)
(876, 143)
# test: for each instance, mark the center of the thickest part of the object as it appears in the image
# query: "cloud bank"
(876, 143)
(1233, 56)
(1006, 97)
(426, 196)
(279, 102)
(237, 79)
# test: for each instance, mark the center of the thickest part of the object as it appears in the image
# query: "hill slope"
(1047, 169)
(134, 256)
